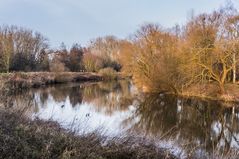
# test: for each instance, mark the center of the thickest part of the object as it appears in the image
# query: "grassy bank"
(209, 91)
(21, 138)
(20, 80)
(212, 92)
(34, 79)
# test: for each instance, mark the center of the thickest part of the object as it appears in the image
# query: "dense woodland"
(203, 51)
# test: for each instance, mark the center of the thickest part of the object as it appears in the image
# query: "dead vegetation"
(34, 79)
(22, 138)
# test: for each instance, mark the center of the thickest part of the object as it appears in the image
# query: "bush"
(57, 66)
(92, 63)
(108, 73)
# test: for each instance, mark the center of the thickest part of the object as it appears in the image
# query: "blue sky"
(80, 21)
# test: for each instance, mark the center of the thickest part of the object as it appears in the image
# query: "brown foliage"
(206, 50)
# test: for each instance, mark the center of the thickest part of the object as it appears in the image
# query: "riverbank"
(22, 138)
(212, 92)
(209, 91)
(35, 79)
(21, 80)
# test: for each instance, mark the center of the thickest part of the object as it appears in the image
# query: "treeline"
(25, 50)
(21, 49)
(203, 51)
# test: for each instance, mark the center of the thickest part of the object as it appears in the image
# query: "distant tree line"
(24, 50)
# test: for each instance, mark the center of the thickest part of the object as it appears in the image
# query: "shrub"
(108, 73)
(112, 64)
(92, 63)
(57, 66)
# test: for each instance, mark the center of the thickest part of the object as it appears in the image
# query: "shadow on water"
(197, 126)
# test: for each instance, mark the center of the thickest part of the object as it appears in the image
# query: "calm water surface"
(118, 109)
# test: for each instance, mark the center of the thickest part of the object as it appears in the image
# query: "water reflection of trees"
(109, 96)
(188, 121)
(21, 101)
(106, 97)
(154, 115)
(60, 93)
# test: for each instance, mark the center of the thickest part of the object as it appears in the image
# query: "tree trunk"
(222, 89)
(234, 68)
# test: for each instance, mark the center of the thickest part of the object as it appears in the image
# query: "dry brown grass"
(21, 138)
(212, 92)
(108, 73)
(21, 80)
(34, 79)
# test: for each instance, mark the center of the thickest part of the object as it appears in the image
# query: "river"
(117, 109)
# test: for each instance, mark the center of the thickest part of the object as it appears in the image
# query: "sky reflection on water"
(117, 109)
